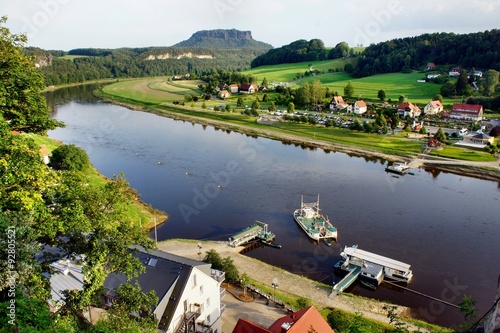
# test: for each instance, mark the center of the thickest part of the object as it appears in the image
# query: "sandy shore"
(289, 282)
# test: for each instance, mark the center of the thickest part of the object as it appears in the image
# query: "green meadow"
(287, 72)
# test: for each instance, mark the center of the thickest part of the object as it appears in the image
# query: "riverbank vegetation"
(47, 214)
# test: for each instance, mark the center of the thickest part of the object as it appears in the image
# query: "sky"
(70, 24)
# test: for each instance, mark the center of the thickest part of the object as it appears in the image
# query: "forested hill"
(298, 51)
(227, 49)
(221, 38)
(475, 50)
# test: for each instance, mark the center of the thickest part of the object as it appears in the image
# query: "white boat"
(398, 167)
(377, 267)
(314, 224)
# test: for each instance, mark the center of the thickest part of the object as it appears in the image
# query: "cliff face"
(222, 38)
(492, 321)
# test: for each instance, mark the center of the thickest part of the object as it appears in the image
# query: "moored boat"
(317, 226)
(399, 168)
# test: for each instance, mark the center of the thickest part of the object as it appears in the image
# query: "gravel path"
(289, 282)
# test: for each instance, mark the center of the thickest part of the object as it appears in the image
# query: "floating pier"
(256, 232)
(347, 280)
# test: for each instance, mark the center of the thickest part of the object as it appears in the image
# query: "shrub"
(69, 157)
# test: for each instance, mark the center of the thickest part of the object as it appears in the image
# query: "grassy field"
(286, 72)
(466, 154)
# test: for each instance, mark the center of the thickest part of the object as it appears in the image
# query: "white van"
(463, 132)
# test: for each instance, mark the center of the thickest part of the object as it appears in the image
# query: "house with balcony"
(189, 292)
(467, 112)
(408, 109)
(337, 103)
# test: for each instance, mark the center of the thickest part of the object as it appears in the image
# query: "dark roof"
(164, 271)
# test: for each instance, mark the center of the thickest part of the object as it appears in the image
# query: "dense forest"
(298, 51)
(475, 50)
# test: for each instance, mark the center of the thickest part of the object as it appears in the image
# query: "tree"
(264, 83)
(491, 78)
(381, 94)
(468, 307)
(230, 269)
(448, 89)
(440, 136)
(239, 102)
(244, 281)
(228, 107)
(438, 97)
(402, 98)
(317, 91)
(348, 90)
(495, 131)
(462, 86)
(340, 50)
(291, 107)
(256, 104)
(214, 258)
(69, 157)
(265, 98)
(21, 84)
(423, 130)
(203, 105)
(272, 107)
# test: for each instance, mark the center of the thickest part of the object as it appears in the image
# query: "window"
(208, 319)
(194, 280)
(208, 302)
(201, 290)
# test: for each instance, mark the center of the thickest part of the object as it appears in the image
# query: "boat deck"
(256, 231)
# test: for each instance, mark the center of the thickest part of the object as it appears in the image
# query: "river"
(213, 183)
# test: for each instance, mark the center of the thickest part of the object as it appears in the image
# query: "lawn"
(287, 72)
(466, 154)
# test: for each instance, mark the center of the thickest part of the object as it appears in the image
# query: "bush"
(69, 157)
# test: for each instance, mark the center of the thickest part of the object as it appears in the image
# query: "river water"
(213, 183)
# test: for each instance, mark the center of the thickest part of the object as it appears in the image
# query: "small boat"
(327, 241)
(314, 224)
(271, 244)
(399, 168)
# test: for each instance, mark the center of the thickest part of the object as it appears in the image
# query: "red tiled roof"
(466, 108)
(436, 104)
(301, 321)
(361, 104)
(245, 326)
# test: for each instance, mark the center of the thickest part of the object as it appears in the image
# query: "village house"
(430, 66)
(248, 88)
(408, 109)
(360, 107)
(455, 71)
(233, 88)
(224, 94)
(305, 320)
(189, 291)
(433, 107)
(337, 103)
(469, 112)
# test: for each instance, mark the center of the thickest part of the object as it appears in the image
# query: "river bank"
(291, 283)
(482, 170)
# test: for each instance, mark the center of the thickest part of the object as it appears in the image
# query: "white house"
(433, 107)
(408, 109)
(189, 292)
(224, 93)
(360, 107)
(233, 88)
(248, 88)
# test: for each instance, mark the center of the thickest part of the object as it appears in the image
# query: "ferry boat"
(398, 167)
(375, 268)
(314, 224)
